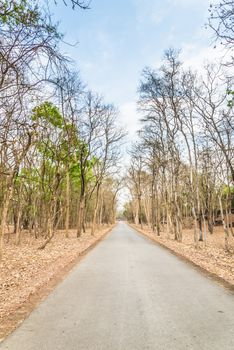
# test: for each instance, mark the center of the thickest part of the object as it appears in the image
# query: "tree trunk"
(95, 211)
(67, 205)
(226, 232)
(6, 203)
(80, 218)
(18, 228)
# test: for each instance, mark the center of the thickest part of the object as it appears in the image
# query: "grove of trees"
(59, 141)
(182, 168)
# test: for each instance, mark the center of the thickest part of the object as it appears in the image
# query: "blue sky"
(117, 39)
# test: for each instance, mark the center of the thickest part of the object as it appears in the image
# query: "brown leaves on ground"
(209, 255)
(25, 269)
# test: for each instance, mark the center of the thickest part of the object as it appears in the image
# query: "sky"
(116, 39)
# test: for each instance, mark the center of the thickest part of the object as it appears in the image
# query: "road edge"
(23, 312)
(219, 280)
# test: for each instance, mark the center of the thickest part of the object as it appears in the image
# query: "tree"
(77, 3)
(221, 21)
(59, 142)
(185, 151)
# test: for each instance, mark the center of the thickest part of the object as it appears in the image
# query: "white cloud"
(129, 118)
(105, 46)
(88, 65)
(196, 56)
(157, 11)
(150, 11)
(189, 3)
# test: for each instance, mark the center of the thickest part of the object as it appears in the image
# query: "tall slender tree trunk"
(67, 205)
(140, 211)
(225, 227)
(95, 211)
(18, 228)
(195, 226)
(101, 211)
(81, 205)
(204, 223)
(6, 202)
(80, 218)
(136, 216)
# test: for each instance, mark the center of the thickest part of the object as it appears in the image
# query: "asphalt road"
(130, 294)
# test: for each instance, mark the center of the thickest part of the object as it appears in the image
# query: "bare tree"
(221, 21)
(186, 151)
(84, 5)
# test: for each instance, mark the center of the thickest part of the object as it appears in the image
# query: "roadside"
(27, 275)
(209, 256)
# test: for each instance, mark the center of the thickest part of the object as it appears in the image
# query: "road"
(130, 294)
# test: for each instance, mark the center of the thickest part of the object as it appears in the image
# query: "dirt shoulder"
(210, 257)
(28, 275)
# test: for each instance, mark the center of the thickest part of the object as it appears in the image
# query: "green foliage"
(48, 149)
(230, 101)
(49, 113)
(31, 175)
(49, 116)
(15, 12)
(16, 15)
(75, 171)
(228, 190)
(67, 149)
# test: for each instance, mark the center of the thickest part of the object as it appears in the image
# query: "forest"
(70, 172)
(182, 169)
(182, 166)
(60, 141)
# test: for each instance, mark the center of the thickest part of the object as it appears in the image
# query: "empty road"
(130, 294)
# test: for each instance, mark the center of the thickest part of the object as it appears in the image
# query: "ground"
(209, 255)
(130, 294)
(29, 274)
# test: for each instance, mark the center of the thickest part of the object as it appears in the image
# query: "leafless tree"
(221, 21)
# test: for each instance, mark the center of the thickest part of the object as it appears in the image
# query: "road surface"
(130, 294)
